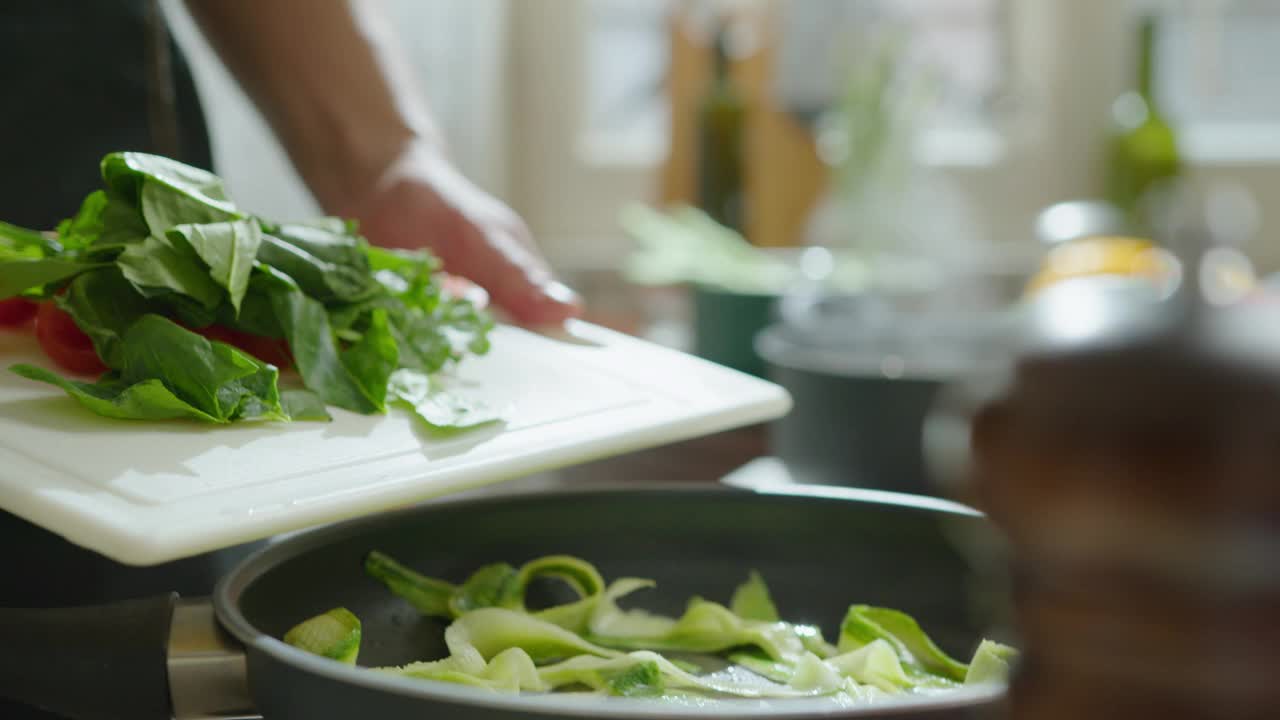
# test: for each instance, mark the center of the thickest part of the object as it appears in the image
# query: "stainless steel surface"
(208, 679)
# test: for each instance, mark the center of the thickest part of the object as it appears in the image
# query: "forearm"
(325, 76)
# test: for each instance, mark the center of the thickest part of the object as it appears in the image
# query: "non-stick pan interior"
(818, 555)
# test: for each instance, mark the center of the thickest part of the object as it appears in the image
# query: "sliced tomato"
(65, 343)
(16, 311)
(268, 350)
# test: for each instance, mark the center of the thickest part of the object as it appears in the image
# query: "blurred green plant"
(684, 245)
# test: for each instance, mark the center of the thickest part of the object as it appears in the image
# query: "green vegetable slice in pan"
(335, 634)
(590, 644)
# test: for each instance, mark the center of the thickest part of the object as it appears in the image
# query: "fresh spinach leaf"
(163, 240)
(83, 228)
(10, 254)
(327, 280)
(424, 346)
(25, 243)
(229, 249)
(188, 312)
(328, 223)
(127, 172)
(165, 207)
(428, 339)
(330, 244)
(104, 305)
(466, 325)
(440, 408)
(303, 270)
(373, 358)
(214, 377)
(306, 327)
(349, 319)
(105, 224)
(257, 316)
(301, 404)
(167, 372)
(158, 264)
(122, 225)
(432, 327)
(409, 264)
(114, 398)
(18, 276)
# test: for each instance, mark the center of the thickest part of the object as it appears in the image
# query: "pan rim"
(233, 584)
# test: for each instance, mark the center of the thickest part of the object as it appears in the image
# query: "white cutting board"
(145, 493)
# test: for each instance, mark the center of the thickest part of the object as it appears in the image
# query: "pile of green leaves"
(743, 649)
(161, 251)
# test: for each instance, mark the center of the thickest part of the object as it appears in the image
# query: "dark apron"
(80, 79)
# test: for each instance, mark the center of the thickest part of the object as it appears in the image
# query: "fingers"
(460, 287)
(494, 252)
(501, 260)
(549, 304)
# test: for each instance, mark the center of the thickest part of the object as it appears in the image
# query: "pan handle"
(208, 677)
(157, 658)
(104, 662)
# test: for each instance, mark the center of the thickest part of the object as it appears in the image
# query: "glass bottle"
(1143, 145)
(721, 123)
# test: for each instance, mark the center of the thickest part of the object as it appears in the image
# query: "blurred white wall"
(458, 51)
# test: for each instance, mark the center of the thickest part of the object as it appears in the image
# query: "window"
(960, 44)
(1218, 77)
(591, 94)
(626, 111)
(966, 42)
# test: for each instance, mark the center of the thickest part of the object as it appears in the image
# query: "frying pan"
(820, 549)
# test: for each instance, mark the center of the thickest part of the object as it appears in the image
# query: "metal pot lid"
(877, 335)
(1208, 309)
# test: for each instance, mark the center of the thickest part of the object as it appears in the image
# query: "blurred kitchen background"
(865, 181)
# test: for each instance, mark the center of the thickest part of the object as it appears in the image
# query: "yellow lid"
(1104, 255)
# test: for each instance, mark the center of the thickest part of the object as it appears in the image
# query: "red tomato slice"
(268, 350)
(65, 343)
(16, 311)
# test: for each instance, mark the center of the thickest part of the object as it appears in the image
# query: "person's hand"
(422, 201)
(345, 106)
